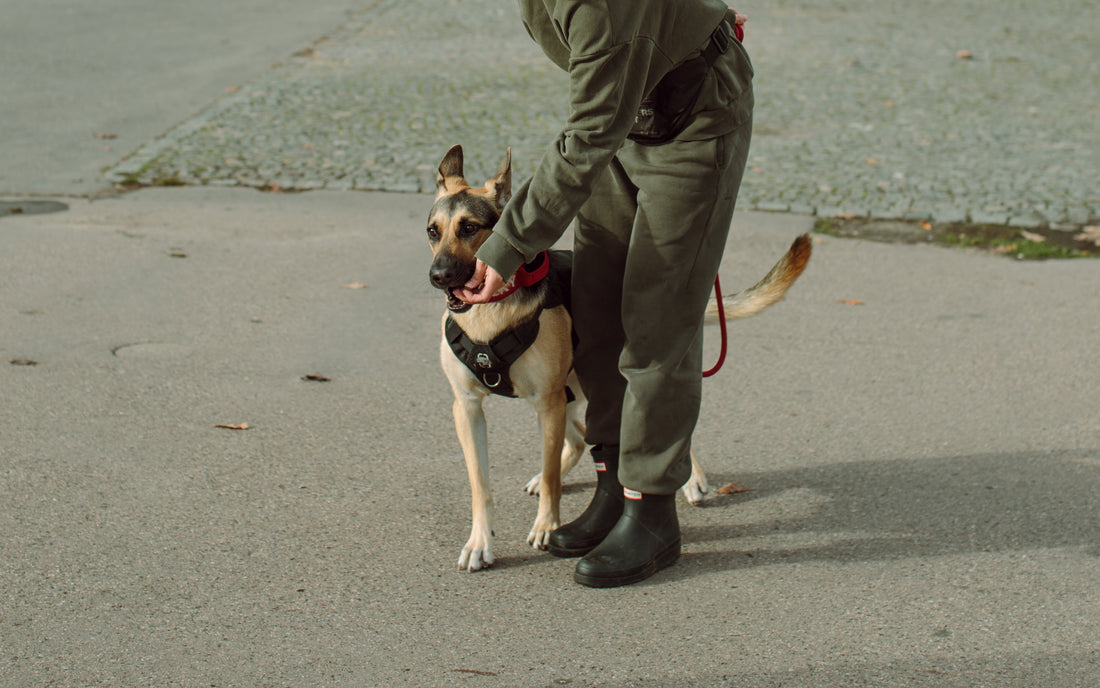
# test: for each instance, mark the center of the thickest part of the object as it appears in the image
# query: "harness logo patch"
(483, 361)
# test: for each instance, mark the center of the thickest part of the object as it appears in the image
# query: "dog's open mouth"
(455, 304)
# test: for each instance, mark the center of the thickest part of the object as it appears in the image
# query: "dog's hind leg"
(574, 446)
(696, 488)
(469, 419)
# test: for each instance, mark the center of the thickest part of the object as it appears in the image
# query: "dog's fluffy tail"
(768, 290)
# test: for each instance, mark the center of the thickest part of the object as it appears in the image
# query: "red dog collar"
(527, 276)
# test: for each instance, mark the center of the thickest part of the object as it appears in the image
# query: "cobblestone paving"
(864, 107)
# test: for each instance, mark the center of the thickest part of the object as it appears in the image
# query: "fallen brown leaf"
(1089, 234)
(354, 285)
(315, 378)
(964, 54)
(731, 488)
(242, 426)
(850, 302)
(104, 136)
(926, 225)
(476, 672)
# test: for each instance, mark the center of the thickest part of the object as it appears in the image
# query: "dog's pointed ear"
(500, 186)
(450, 168)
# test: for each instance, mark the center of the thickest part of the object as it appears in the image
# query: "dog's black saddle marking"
(492, 362)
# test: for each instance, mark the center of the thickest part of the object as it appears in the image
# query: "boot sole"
(663, 559)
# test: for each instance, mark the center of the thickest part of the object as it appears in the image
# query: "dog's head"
(460, 221)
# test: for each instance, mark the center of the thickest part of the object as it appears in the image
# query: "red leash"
(722, 325)
(739, 32)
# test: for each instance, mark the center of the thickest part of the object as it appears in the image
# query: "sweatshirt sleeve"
(605, 89)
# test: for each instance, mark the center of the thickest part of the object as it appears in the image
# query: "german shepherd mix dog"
(521, 345)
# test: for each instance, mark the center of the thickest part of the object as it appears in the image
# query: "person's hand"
(482, 286)
(739, 25)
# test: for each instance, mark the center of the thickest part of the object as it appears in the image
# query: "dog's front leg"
(551, 413)
(470, 425)
(572, 449)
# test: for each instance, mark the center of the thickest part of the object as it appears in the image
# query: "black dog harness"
(491, 362)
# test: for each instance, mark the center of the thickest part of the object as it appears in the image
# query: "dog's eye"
(433, 232)
(470, 229)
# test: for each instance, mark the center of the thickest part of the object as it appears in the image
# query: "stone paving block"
(981, 217)
(949, 215)
(852, 115)
(1026, 220)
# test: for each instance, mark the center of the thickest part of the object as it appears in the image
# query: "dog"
(521, 345)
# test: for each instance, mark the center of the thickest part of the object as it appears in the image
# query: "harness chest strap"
(491, 362)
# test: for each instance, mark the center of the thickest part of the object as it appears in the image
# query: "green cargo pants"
(647, 245)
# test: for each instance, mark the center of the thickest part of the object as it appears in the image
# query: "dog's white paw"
(539, 537)
(696, 489)
(478, 552)
(532, 487)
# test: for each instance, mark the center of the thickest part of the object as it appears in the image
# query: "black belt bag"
(667, 109)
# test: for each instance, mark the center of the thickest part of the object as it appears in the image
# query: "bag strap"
(720, 40)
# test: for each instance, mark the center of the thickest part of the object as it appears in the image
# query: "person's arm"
(606, 85)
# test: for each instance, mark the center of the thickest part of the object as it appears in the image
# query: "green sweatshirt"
(615, 52)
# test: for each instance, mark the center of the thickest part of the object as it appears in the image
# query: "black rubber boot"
(578, 537)
(645, 540)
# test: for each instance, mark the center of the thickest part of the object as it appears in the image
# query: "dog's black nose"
(441, 277)
(447, 272)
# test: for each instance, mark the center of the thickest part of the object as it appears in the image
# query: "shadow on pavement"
(870, 510)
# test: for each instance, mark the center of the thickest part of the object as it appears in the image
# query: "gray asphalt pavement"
(916, 425)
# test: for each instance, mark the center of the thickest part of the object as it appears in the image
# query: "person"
(652, 214)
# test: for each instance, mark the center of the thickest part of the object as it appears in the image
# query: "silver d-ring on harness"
(491, 385)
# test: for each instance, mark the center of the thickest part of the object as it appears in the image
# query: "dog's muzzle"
(449, 274)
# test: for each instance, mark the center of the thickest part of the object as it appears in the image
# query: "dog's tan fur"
(457, 227)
